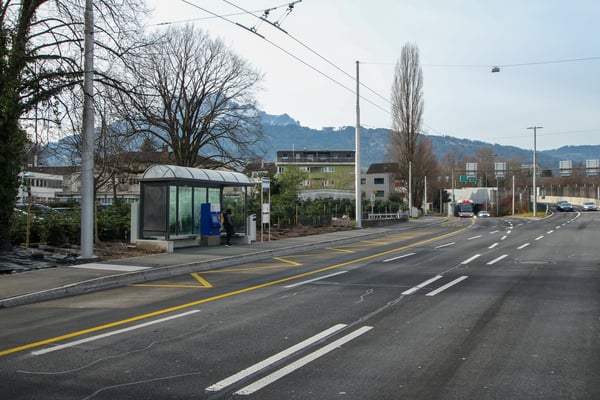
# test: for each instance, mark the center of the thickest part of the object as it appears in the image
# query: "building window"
(280, 170)
(327, 169)
(304, 169)
(363, 181)
(380, 193)
(378, 181)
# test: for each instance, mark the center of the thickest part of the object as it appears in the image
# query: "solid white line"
(117, 332)
(470, 259)
(474, 237)
(539, 237)
(421, 285)
(315, 279)
(523, 246)
(494, 261)
(109, 267)
(446, 286)
(273, 359)
(397, 258)
(288, 369)
(492, 246)
(445, 245)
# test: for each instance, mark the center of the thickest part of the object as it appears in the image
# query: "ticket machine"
(210, 223)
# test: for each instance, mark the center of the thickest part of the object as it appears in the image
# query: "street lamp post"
(357, 180)
(535, 128)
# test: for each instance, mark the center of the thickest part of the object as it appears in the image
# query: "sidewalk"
(52, 283)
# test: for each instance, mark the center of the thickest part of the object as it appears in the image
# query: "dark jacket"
(228, 223)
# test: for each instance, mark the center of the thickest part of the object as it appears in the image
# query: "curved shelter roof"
(195, 175)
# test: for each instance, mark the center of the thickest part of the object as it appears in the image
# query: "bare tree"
(407, 114)
(40, 53)
(426, 165)
(196, 97)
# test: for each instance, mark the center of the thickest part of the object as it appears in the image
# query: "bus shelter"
(183, 203)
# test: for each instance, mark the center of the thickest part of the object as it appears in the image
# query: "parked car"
(564, 205)
(38, 211)
(589, 206)
(483, 214)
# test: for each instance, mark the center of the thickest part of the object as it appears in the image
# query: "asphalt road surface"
(470, 309)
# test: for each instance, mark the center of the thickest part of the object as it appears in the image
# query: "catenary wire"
(308, 48)
(327, 61)
(288, 53)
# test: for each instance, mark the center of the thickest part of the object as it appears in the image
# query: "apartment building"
(329, 173)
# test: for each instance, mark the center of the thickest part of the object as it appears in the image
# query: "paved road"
(501, 309)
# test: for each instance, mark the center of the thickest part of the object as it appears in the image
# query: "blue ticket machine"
(210, 220)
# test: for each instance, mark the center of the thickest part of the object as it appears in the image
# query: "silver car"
(589, 206)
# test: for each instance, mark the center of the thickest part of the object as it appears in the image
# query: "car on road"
(483, 214)
(589, 206)
(564, 205)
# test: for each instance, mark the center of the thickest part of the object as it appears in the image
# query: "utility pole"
(425, 197)
(535, 128)
(410, 199)
(357, 191)
(87, 151)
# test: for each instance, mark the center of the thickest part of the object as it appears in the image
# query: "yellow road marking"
(294, 263)
(373, 242)
(204, 284)
(203, 281)
(339, 250)
(218, 297)
(230, 270)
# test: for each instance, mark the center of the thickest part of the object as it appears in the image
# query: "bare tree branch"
(196, 97)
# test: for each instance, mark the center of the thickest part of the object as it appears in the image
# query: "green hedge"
(63, 228)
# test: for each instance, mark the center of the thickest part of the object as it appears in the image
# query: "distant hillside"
(282, 132)
(374, 142)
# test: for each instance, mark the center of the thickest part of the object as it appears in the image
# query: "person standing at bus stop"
(228, 224)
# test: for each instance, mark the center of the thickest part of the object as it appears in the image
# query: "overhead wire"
(273, 44)
(337, 82)
(289, 7)
(276, 25)
(387, 111)
(286, 52)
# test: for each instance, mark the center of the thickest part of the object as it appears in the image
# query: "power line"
(309, 49)
(550, 62)
(191, 20)
(337, 82)
(286, 52)
(276, 25)
(330, 63)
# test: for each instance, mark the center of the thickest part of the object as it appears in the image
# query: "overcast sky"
(459, 43)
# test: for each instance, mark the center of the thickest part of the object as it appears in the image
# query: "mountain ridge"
(283, 132)
(374, 141)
